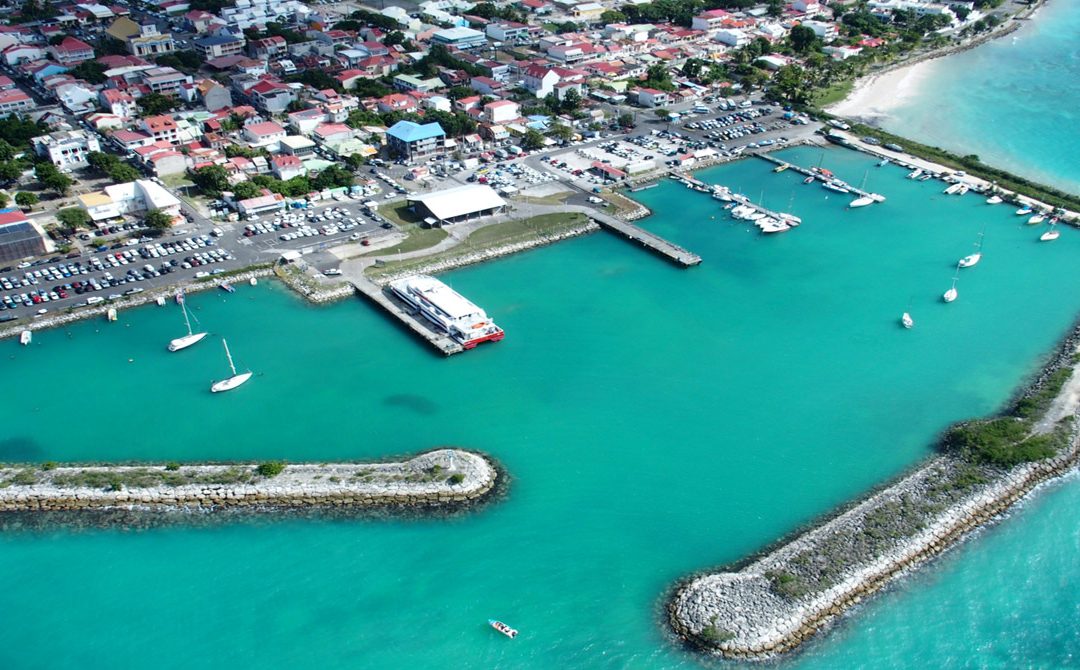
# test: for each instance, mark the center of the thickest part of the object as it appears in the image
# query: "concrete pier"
(655, 243)
(817, 176)
(406, 314)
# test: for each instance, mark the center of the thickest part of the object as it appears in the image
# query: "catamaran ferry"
(448, 310)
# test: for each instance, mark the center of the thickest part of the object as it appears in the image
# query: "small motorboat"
(781, 167)
(915, 174)
(994, 200)
(26, 337)
(503, 628)
(1024, 211)
(907, 321)
(926, 177)
(227, 287)
(836, 185)
(954, 189)
(884, 162)
(1038, 218)
(950, 295)
(808, 180)
(253, 281)
(861, 202)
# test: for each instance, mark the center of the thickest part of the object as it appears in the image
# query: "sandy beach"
(875, 97)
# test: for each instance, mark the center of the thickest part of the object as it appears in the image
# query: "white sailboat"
(915, 174)
(953, 189)
(952, 294)
(973, 259)
(1038, 218)
(907, 321)
(187, 340)
(233, 381)
(1050, 235)
(861, 202)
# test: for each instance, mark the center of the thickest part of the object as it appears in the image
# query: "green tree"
(571, 100)
(626, 120)
(612, 16)
(562, 132)
(90, 71)
(51, 178)
(122, 173)
(156, 219)
(775, 8)
(25, 199)
(4, 199)
(73, 217)
(245, 190)
(212, 179)
(332, 177)
(802, 39)
(11, 170)
(153, 104)
(532, 140)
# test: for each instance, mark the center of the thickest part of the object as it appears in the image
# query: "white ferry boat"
(448, 310)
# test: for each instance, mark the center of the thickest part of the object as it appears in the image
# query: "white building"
(732, 37)
(67, 148)
(134, 197)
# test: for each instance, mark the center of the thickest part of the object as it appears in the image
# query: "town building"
(136, 197)
(459, 38)
(219, 46)
(66, 148)
(462, 203)
(413, 140)
(15, 101)
(19, 237)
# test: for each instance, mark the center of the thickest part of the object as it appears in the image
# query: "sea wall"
(781, 599)
(436, 479)
(73, 314)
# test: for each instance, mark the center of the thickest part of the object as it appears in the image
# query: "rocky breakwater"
(443, 478)
(781, 599)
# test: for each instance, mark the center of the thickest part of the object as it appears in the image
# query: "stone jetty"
(442, 478)
(778, 601)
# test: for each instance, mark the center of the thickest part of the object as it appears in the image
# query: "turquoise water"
(655, 421)
(1013, 101)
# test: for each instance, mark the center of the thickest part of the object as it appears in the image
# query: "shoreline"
(439, 480)
(878, 102)
(761, 606)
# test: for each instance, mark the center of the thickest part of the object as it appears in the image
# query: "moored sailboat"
(233, 381)
(1050, 235)
(972, 260)
(1038, 218)
(861, 202)
(952, 293)
(185, 341)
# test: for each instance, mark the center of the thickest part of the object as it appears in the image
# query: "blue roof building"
(414, 140)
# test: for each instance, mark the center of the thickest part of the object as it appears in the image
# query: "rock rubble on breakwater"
(778, 601)
(443, 478)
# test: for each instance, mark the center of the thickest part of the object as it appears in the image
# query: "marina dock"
(406, 314)
(816, 175)
(655, 243)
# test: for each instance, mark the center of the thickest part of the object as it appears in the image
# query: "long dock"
(655, 243)
(816, 175)
(406, 314)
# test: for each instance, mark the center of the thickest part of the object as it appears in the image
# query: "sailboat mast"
(229, 356)
(187, 321)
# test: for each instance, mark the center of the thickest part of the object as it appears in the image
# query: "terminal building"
(455, 205)
(133, 198)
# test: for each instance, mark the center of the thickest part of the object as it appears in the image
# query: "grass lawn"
(833, 94)
(409, 223)
(499, 234)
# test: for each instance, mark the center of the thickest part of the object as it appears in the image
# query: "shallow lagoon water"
(655, 421)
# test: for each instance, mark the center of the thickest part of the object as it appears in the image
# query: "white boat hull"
(861, 202)
(25, 338)
(907, 321)
(970, 261)
(230, 383)
(950, 295)
(1038, 218)
(1049, 236)
(994, 200)
(185, 341)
